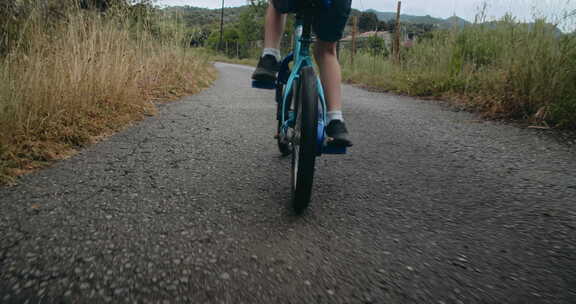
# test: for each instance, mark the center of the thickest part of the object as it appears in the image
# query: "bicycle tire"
(304, 141)
(284, 144)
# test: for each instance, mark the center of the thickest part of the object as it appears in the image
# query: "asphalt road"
(191, 206)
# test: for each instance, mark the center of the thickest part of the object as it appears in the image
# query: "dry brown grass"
(81, 80)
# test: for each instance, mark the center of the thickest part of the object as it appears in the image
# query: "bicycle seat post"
(305, 18)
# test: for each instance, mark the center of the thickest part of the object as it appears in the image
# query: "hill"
(405, 18)
(197, 16)
(202, 17)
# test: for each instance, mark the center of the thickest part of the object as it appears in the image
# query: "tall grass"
(504, 69)
(65, 83)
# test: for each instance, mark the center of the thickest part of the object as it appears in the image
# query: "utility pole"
(397, 38)
(221, 27)
(353, 40)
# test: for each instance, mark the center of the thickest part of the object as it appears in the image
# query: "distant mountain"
(439, 22)
(204, 16)
(457, 21)
(196, 16)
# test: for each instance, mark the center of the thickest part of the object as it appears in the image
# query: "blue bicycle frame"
(286, 77)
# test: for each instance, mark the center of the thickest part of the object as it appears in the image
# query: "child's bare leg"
(325, 54)
(274, 27)
(331, 77)
(268, 64)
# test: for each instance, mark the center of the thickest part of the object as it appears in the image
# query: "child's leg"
(274, 27)
(325, 54)
(268, 64)
(330, 75)
(329, 26)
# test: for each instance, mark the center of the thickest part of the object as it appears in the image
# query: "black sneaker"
(266, 69)
(338, 134)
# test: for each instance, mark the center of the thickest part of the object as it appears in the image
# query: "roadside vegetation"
(504, 69)
(74, 71)
(220, 57)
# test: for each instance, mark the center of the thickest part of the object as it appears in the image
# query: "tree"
(382, 26)
(103, 5)
(230, 41)
(259, 6)
(198, 36)
(377, 46)
(368, 21)
(250, 29)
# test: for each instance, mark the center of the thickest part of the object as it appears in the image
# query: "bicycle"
(301, 109)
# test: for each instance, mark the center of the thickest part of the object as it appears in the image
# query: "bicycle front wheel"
(304, 140)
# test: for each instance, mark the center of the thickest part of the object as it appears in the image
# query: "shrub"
(504, 68)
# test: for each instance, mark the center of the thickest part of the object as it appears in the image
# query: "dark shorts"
(329, 23)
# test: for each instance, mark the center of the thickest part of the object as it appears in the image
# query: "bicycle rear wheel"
(304, 140)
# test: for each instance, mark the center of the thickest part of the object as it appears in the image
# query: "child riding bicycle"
(328, 25)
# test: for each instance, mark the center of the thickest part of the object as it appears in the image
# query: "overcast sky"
(522, 9)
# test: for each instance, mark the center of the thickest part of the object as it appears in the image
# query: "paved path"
(190, 206)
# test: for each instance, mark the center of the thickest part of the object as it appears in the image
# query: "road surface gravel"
(431, 205)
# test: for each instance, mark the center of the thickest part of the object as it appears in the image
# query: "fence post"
(397, 38)
(221, 27)
(353, 41)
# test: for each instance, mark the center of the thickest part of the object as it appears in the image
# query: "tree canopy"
(368, 21)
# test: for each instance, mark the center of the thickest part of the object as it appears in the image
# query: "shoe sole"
(263, 76)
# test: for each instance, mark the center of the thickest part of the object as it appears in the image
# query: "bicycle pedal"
(266, 85)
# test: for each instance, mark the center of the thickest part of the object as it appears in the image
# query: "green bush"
(504, 68)
(377, 46)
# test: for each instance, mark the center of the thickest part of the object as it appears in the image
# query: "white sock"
(334, 115)
(272, 51)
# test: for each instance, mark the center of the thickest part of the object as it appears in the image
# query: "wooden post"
(397, 38)
(221, 27)
(355, 26)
